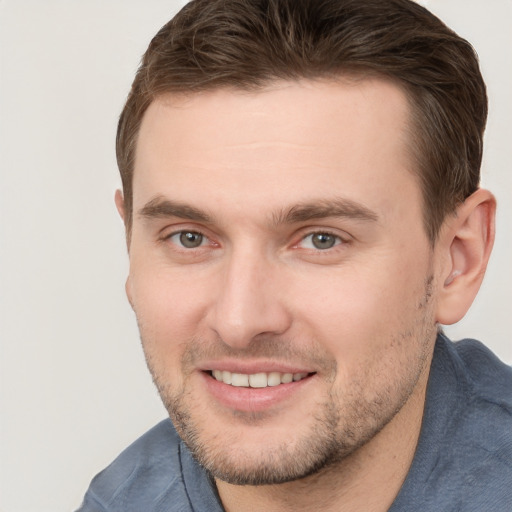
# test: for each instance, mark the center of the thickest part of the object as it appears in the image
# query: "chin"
(247, 450)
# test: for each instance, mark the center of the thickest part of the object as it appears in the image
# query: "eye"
(320, 241)
(188, 239)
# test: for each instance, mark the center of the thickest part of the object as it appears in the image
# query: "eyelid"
(204, 239)
(343, 238)
(337, 241)
(169, 232)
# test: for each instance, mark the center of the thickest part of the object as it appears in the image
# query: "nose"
(250, 301)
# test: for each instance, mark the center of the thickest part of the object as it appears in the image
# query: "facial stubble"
(344, 421)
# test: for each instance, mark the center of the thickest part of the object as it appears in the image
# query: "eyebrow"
(325, 208)
(160, 207)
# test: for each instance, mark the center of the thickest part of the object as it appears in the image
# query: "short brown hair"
(247, 44)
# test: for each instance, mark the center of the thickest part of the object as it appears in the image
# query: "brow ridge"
(160, 207)
(325, 208)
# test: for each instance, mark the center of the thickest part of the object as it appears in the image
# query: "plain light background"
(74, 390)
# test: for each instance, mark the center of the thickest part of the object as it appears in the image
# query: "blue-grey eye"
(320, 241)
(188, 239)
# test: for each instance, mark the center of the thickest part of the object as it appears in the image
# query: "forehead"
(295, 112)
(278, 144)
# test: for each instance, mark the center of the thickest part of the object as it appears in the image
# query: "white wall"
(74, 389)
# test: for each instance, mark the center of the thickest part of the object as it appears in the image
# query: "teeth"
(256, 380)
(274, 379)
(287, 378)
(239, 380)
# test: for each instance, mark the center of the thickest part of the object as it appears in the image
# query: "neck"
(369, 479)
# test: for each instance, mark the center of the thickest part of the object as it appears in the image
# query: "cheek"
(164, 296)
(169, 310)
(358, 314)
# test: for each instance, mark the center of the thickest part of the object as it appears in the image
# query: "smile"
(256, 380)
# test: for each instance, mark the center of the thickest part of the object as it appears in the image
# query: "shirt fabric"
(463, 461)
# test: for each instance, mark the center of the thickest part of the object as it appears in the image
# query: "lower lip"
(252, 399)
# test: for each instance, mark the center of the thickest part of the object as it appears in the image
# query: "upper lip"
(253, 367)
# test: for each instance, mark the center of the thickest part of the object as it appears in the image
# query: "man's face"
(280, 272)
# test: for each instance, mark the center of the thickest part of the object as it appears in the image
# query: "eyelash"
(338, 240)
(169, 237)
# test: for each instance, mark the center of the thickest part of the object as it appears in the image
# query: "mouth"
(254, 390)
(256, 380)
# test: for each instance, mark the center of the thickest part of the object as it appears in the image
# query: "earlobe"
(467, 239)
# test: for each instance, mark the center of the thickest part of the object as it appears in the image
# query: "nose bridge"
(248, 302)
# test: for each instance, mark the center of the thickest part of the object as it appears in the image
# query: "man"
(302, 211)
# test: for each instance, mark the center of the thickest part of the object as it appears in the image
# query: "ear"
(467, 240)
(119, 200)
(128, 291)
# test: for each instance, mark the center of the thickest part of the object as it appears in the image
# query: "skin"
(253, 176)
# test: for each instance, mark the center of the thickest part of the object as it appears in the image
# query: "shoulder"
(486, 425)
(147, 469)
(482, 417)
(490, 379)
(463, 460)
(472, 444)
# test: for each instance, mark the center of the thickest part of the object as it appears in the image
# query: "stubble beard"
(341, 425)
(282, 464)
